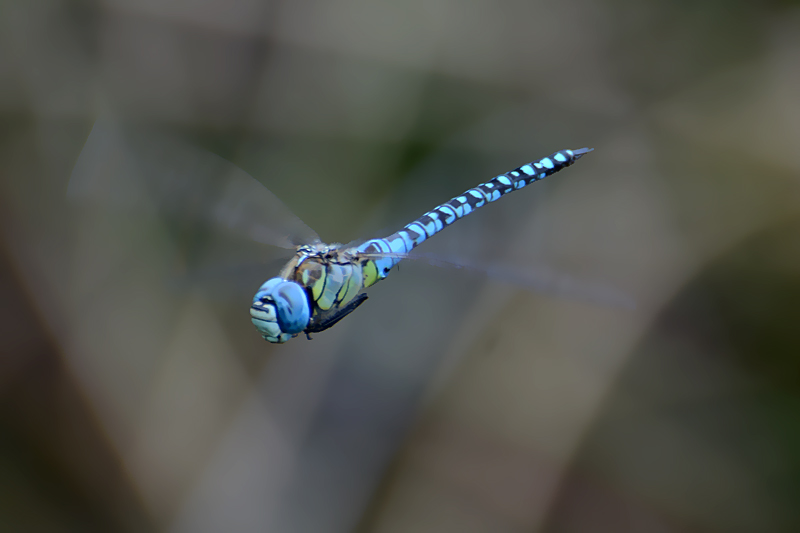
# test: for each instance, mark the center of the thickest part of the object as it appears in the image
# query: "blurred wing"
(225, 281)
(125, 167)
(539, 280)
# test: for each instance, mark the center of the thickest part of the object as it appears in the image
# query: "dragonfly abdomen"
(387, 252)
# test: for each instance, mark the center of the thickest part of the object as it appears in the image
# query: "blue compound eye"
(267, 288)
(292, 306)
(280, 310)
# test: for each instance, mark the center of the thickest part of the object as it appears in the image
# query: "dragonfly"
(322, 283)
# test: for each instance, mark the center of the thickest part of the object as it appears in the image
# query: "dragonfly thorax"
(315, 288)
(321, 252)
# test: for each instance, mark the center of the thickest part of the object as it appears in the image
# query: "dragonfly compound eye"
(280, 310)
(292, 305)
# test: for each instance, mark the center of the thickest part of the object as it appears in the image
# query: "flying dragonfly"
(322, 283)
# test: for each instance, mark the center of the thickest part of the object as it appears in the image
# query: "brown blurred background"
(130, 401)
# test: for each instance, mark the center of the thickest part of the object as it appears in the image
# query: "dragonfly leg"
(330, 320)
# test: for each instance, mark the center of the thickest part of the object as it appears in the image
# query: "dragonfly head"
(280, 310)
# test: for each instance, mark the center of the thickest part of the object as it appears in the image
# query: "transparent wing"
(126, 167)
(540, 280)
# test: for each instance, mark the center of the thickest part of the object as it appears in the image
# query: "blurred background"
(135, 395)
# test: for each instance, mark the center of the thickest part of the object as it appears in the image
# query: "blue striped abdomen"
(377, 266)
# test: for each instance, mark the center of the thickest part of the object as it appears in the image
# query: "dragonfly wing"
(229, 280)
(540, 280)
(560, 285)
(124, 166)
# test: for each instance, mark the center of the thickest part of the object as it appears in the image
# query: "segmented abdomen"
(412, 235)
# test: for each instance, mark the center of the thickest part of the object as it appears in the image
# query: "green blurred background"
(448, 402)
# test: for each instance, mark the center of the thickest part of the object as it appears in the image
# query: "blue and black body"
(323, 283)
